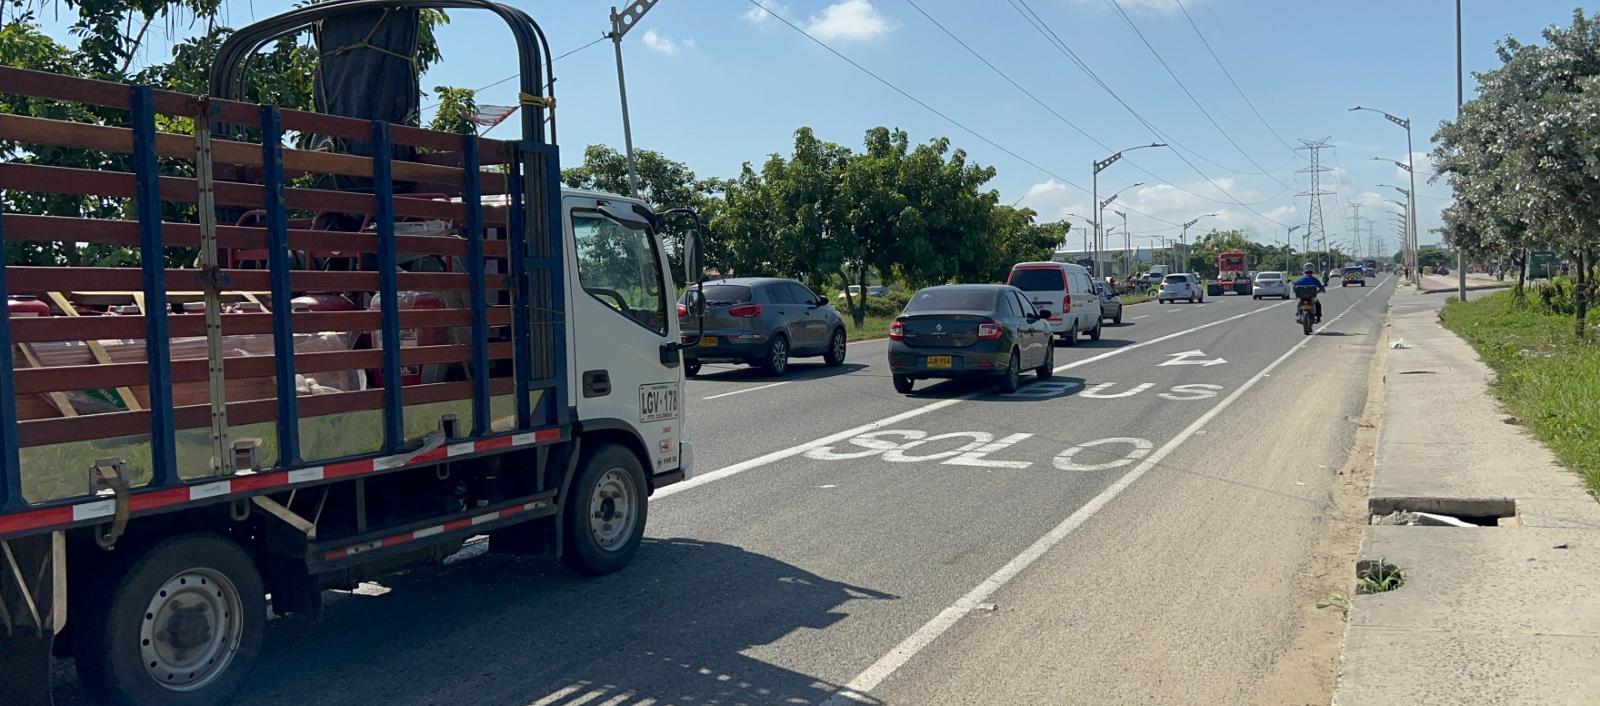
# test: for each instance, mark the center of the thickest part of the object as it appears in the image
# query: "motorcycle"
(1306, 307)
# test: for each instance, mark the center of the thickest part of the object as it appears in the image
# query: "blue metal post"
(557, 403)
(471, 194)
(388, 288)
(278, 263)
(153, 275)
(521, 292)
(10, 464)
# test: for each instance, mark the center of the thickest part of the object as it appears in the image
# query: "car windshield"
(1175, 279)
(722, 294)
(952, 299)
(1038, 279)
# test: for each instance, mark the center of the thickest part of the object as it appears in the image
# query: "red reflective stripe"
(454, 525)
(348, 468)
(510, 511)
(544, 435)
(259, 481)
(499, 442)
(35, 519)
(397, 539)
(438, 454)
(160, 498)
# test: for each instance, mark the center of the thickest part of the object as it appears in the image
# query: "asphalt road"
(1140, 529)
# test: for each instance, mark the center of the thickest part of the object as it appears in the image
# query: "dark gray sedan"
(761, 321)
(1110, 303)
(965, 330)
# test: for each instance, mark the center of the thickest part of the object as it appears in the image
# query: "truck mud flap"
(32, 610)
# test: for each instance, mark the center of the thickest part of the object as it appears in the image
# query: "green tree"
(663, 183)
(456, 105)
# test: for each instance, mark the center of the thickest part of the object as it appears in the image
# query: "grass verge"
(1546, 377)
(871, 327)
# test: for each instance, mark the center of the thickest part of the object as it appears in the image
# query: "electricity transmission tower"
(1315, 232)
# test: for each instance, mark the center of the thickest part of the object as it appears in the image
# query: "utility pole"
(1315, 231)
(1127, 244)
(621, 22)
(1461, 253)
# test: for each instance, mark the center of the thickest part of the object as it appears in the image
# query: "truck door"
(625, 370)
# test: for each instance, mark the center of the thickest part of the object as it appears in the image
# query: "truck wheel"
(605, 511)
(182, 626)
(1071, 336)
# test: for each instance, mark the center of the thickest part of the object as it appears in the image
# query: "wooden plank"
(41, 379)
(98, 350)
(62, 405)
(37, 280)
(61, 328)
(40, 432)
(116, 232)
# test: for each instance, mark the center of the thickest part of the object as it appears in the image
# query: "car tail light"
(683, 311)
(1066, 304)
(897, 331)
(988, 331)
(745, 311)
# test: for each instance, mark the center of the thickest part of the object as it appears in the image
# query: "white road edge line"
(698, 480)
(748, 389)
(855, 692)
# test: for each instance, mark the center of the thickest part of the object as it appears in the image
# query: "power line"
(1225, 72)
(1185, 88)
(512, 76)
(912, 98)
(1055, 40)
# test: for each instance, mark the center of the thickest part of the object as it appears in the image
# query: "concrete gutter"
(1507, 613)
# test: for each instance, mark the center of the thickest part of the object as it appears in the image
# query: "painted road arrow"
(1184, 359)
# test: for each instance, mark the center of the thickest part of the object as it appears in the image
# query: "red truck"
(1232, 274)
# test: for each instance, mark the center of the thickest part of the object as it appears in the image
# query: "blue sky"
(714, 83)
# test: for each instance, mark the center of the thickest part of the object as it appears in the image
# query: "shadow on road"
(505, 631)
(734, 372)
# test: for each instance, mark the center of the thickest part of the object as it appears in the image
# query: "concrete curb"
(1470, 288)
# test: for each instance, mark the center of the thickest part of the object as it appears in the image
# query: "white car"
(1182, 285)
(1270, 284)
(1067, 291)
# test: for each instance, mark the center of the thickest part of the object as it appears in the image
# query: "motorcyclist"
(1310, 279)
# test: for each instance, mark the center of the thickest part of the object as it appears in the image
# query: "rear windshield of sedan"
(723, 294)
(952, 300)
(1269, 276)
(1352, 270)
(1037, 279)
(1175, 279)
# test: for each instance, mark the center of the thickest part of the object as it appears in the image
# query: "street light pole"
(1461, 252)
(1288, 251)
(621, 22)
(1099, 166)
(1411, 167)
(1127, 244)
(1185, 235)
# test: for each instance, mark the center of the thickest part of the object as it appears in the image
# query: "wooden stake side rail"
(50, 229)
(106, 94)
(503, 284)
(106, 138)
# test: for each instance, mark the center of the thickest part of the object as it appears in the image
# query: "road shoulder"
(1504, 613)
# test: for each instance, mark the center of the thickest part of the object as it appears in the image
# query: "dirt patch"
(1305, 672)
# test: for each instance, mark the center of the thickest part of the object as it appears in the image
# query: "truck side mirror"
(695, 302)
(693, 258)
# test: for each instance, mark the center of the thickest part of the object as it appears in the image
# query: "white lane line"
(866, 681)
(1146, 316)
(759, 461)
(748, 389)
(1169, 311)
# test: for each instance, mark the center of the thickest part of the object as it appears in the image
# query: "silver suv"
(761, 321)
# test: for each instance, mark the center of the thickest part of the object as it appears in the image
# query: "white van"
(1066, 291)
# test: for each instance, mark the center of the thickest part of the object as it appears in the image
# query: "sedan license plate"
(940, 361)
(708, 341)
(658, 401)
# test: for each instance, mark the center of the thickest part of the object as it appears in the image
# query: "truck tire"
(605, 511)
(181, 626)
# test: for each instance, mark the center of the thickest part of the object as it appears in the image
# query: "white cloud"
(655, 41)
(756, 15)
(850, 20)
(1147, 7)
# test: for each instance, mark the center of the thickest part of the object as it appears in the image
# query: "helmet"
(1310, 269)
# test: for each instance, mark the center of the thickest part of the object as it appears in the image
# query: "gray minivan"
(762, 321)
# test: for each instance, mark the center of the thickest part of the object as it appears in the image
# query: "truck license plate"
(658, 401)
(939, 361)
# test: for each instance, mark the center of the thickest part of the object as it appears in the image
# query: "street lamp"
(1184, 237)
(1288, 251)
(1099, 166)
(1411, 168)
(1127, 243)
(1100, 214)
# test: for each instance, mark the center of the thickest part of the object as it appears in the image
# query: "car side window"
(617, 265)
(801, 294)
(780, 293)
(1023, 304)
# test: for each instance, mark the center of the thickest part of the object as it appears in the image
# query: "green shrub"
(890, 304)
(1558, 297)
